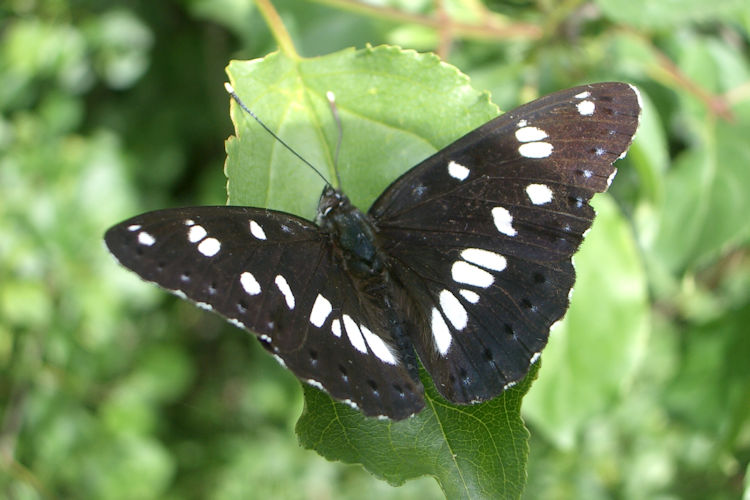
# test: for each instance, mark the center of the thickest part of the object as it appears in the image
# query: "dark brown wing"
(482, 234)
(274, 275)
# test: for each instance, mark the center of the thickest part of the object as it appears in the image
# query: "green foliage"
(111, 389)
(474, 452)
(592, 355)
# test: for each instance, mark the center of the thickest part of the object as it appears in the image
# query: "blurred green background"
(110, 388)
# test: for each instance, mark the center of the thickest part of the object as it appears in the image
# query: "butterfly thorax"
(351, 232)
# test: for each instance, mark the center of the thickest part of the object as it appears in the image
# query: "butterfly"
(463, 263)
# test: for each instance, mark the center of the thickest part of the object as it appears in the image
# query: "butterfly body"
(464, 261)
(352, 232)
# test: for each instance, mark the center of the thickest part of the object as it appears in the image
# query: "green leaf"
(477, 451)
(667, 13)
(649, 154)
(397, 107)
(706, 204)
(711, 389)
(387, 101)
(593, 354)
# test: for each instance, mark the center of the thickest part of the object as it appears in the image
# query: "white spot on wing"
(534, 358)
(315, 383)
(485, 258)
(469, 295)
(189, 222)
(453, 309)
(503, 221)
(637, 95)
(582, 95)
(440, 332)
(463, 272)
(320, 311)
(145, 238)
(209, 247)
(249, 283)
(586, 108)
(611, 176)
(350, 403)
(283, 287)
(134, 227)
(522, 123)
(355, 336)
(458, 171)
(257, 231)
(530, 134)
(539, 194)
(378, 347)
(236, 322)
(336, 327)
(196, 233)
(535, 149)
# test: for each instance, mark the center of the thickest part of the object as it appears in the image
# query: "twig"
(278, 30)
(491, 29)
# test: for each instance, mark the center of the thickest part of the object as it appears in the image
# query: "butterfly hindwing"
(482, 233)
(275, 275)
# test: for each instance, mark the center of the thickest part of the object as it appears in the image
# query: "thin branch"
(716, 104)
(491, 29)
(278, 30)
(445, 33)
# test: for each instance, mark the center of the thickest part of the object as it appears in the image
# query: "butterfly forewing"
(481, 234)
(275, 275)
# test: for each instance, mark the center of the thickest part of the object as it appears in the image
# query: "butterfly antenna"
(234, 95)
(335, 112)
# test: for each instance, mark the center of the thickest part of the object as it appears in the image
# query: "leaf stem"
(278, 30)
(667, 70)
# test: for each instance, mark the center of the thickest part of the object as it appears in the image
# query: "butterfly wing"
(482, 234)
(274, 274)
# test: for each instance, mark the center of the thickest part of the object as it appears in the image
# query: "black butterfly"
(463, 261)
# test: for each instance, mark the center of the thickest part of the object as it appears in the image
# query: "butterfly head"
(330, 200)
